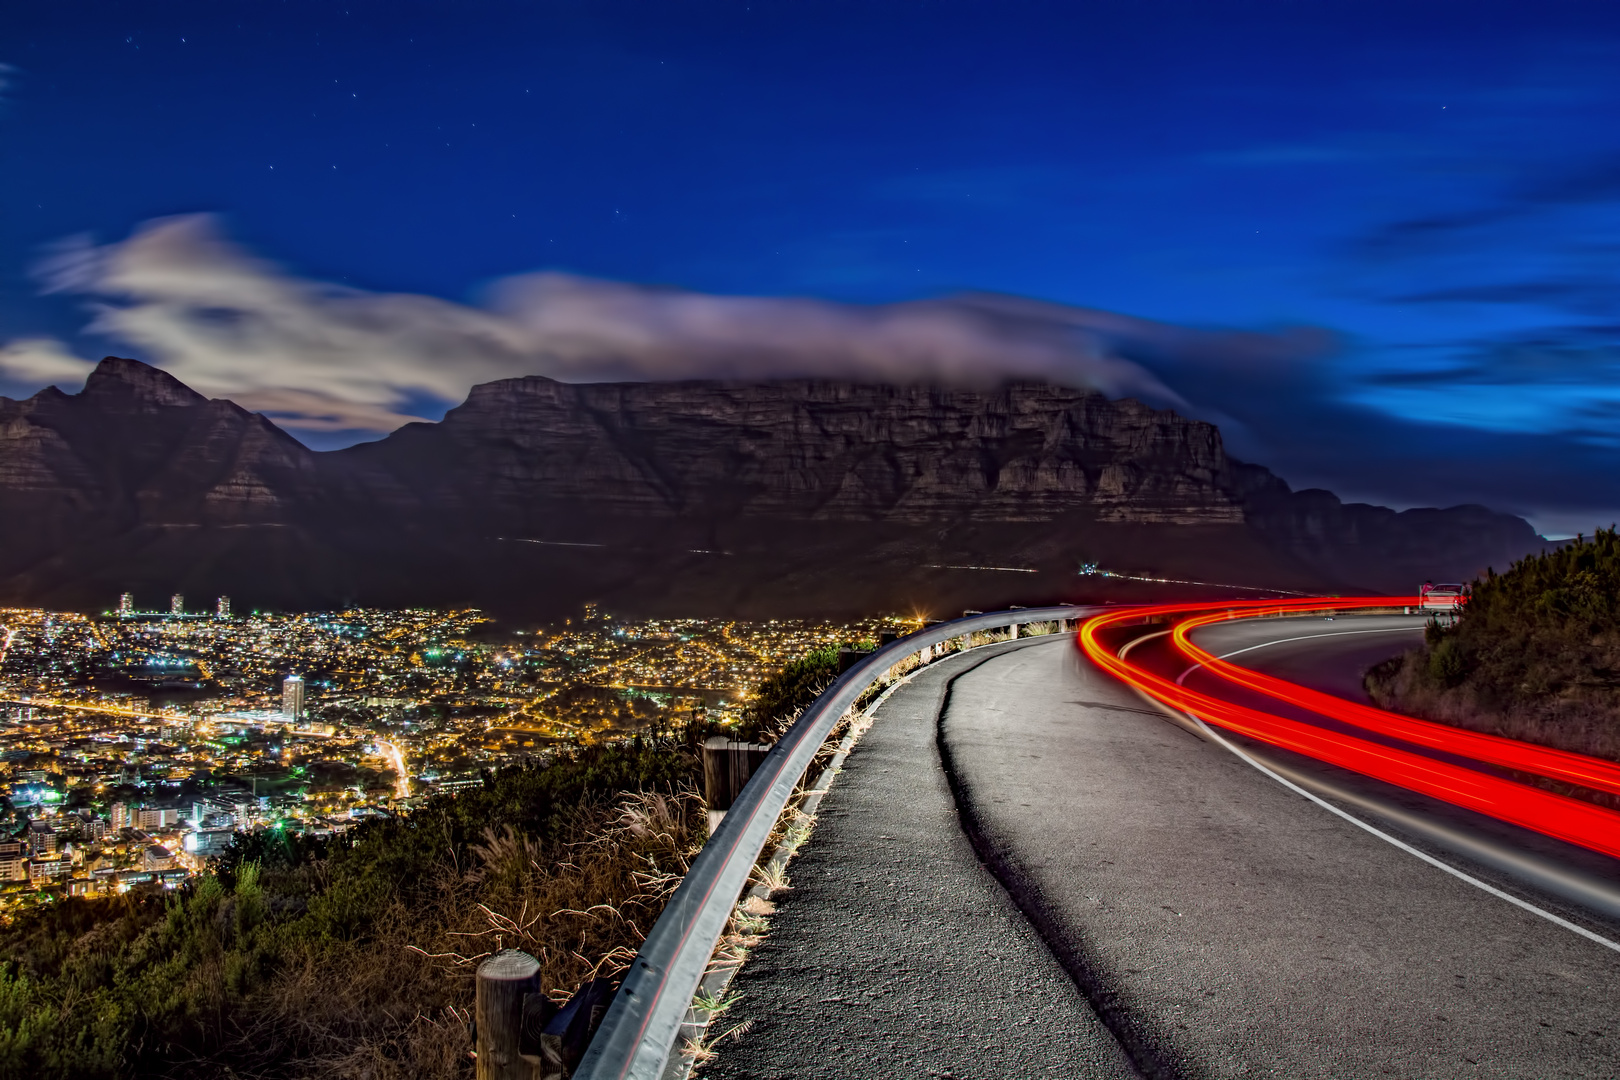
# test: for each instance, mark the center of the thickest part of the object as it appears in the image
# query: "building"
(207, 843)
(150, 817)
(41, 838)
(222, 608)
(42, 870)
(90, 827)
(292, 697)
(157, 857)
(123, 815)
(126, 604)
(177, 604)
(13, 860)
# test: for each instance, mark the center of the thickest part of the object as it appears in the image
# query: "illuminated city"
(135, 744)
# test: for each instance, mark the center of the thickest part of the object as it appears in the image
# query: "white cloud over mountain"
(322, 357)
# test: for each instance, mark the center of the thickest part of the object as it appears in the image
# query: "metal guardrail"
(639, 1030)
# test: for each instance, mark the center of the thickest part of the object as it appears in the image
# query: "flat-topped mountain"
(785, 497)
(803, 449)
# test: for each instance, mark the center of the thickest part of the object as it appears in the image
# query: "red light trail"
(1568, 819)
(1494, 749)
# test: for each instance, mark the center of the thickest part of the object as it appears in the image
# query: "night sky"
(1379, 243)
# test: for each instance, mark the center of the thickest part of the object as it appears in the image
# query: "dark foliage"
(781, 697)
(339, 958)
(1534, 655)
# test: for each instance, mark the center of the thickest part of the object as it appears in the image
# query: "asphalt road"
(1219, 924)
(1331, 655)
(895, 953)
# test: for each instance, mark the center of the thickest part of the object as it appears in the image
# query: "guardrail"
(640, 1027)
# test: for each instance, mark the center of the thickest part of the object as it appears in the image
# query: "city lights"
(138, 743)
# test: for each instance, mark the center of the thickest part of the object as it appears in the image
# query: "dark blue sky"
(1436, 186)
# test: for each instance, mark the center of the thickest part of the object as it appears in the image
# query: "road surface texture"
(1220, 924)
(1331, 655)
(895, 953)
(1241, 929)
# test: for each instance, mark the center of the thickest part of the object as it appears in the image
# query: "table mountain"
(786, 497)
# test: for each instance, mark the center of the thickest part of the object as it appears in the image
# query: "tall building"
(13, 866)
(177, 604)
(222, 608)
(126, 604)
(292, 697)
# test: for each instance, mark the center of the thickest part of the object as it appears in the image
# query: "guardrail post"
(727, 766)
(503, 979)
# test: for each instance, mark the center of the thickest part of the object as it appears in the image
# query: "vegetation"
(782, 697)
(1535, 654)
(353, 957)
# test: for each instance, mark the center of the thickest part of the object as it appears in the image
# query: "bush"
(1447, 665)
(1535, 654)
(783, 696)
(354, 956)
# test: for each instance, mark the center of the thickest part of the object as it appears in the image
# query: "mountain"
(798, 497)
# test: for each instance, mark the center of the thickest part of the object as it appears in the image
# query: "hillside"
(1535, 654)
(351, 956)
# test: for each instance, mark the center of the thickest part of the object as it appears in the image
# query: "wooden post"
(727, 766)
(503, 979)
(716, 772)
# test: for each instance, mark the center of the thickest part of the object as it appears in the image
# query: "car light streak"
(1553, 815)
(1495, 749)
(402, 779)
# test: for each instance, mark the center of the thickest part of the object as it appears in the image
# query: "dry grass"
(582, 911)
(1577, 720)
(396, 1006)
(1573, 721)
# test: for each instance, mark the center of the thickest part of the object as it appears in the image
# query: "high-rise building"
(292, 697)
(222, 608)
(177, 604)
(126, 604)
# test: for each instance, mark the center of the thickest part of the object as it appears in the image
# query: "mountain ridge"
(807, 496)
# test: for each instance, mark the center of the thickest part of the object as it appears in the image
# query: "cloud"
(1539, 191)
(1592, 295)
(39, 361)
(1423, 235)
(321, 357)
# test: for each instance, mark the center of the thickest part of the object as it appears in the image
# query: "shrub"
(353, 957)
(783, 696)
(1534, 655)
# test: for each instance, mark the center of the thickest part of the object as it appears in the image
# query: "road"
(1330, 655)
(895, 953)
(1324, 654)
(1215, 922)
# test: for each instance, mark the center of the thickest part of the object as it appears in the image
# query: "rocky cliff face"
(825, 451)
(137, 445)
(776, 498)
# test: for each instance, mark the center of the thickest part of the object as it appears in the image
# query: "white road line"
(1357, 822)
(1279, 641)
(1408, 848)
(1309, 637)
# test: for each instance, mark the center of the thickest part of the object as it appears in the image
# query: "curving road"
(1215, 922)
